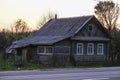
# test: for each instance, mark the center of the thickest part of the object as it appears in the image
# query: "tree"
(45, 18)
(107, 13)
(20, 26)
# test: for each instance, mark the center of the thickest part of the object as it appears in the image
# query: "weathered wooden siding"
(45, 59)
(74, 47)
(90, 58)
(61, 55)
(97, 32)
(62, 47)
(86, 34)
(108, 51)
(66, 42)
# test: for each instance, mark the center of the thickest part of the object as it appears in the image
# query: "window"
(48, 49)
(90, 49)
(44, 49)
(100, 49)
(40, 49)
(80, 48)
(90, 27)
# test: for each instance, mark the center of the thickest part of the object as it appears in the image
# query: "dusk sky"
(32, 10)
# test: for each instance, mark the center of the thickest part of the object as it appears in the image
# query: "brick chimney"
(55, 16)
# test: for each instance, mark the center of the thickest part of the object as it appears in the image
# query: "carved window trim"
(44, 50)
(100, 49)
(90, 49)
(80, 48)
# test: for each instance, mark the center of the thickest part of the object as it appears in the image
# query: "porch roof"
(43, 40)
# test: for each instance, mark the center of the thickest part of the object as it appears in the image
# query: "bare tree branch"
(108, 13)
(45, 18)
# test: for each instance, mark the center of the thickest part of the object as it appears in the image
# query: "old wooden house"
(64, 41)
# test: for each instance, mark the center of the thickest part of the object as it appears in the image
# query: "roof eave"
(84, 24)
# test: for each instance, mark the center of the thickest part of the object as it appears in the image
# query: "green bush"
(9, 65)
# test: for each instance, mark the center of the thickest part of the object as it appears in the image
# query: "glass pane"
(40, 49)
(100, 49)
(48, 49)
(80, 48)
(90, 48)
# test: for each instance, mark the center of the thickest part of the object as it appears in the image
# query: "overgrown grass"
(6, 65)
(32, 66)
(9, 65)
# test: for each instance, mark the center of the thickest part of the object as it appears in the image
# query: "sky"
(32, 10)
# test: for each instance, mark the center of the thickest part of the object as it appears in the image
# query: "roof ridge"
(73, 17)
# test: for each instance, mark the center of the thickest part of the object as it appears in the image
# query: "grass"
(9, 65)
(32, 66)
(6, 65)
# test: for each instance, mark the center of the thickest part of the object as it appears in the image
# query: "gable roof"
(63, 26)
(54, 30)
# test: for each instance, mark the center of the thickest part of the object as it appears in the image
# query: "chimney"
(55, 16)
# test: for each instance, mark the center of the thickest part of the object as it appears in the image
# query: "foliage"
(8, 65)
(19, 26)
(107, 13)
(45, 18)
(18, 31)
(115, 51)
(8, 37)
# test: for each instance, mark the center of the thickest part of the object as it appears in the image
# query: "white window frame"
(78, 48)
(91, 50)
(90, 25)
(41, 47)
(45, 50)
(101, 49)
(48, 47)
